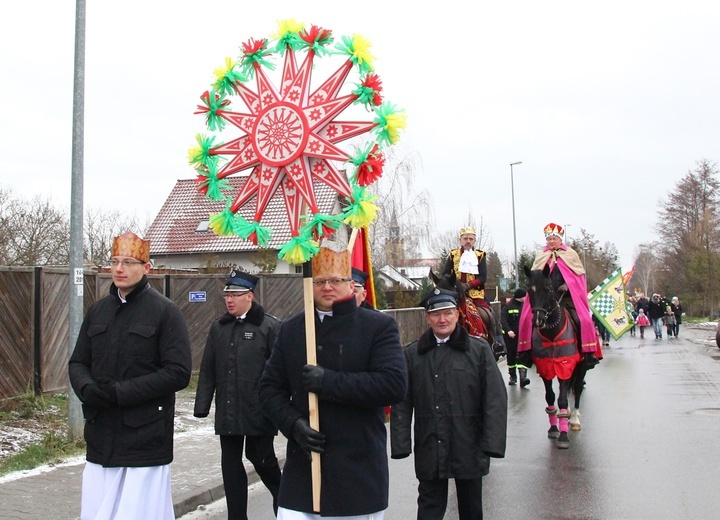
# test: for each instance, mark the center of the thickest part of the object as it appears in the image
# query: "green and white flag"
(608, 302)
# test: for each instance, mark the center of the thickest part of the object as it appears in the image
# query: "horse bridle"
(547, 313)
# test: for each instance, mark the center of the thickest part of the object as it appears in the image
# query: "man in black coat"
(132, 354)
(360, 278)
(656, 311)
(237, 347)
(510, 321)
(460, 403)
(360, 370)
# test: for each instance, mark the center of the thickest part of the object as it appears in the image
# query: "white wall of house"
(243, 260)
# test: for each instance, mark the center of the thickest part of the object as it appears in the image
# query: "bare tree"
(5, 225)
(442, 243)
(39, 233)
(689, 227)
(646, 264)
(101, 228)
(405, 217)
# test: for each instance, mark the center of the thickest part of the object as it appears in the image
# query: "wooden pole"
(310, 347)
(351, 241)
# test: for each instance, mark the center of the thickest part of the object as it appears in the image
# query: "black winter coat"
(656, 309)
(144, 346)
(460, 403)
(364, 372)
(235, 354)
(510, 320)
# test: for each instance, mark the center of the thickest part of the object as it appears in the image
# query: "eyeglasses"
(125, 263)
(335, 282)
(235, 294)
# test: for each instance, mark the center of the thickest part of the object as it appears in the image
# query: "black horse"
(556, 354)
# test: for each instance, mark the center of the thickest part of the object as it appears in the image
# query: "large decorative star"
(289, 135)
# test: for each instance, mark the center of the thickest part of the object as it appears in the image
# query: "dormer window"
(203, 226)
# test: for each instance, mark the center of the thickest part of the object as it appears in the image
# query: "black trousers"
(433, 497)
(260, 451)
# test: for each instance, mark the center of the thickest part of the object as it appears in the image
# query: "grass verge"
(45, 418)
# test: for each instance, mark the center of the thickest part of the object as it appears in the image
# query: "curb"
(192, 500)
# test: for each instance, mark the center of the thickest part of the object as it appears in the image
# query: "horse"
(477, 321)
(556, 354)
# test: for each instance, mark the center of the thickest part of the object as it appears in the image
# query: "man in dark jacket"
(360, 369)
(656, 311)
(360, 278)
(237, 347)
(131, 356)
(510, 321)
(460, 404)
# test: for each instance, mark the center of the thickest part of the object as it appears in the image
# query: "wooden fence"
(34, 318)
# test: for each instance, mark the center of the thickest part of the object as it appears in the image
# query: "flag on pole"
(361, 260)
(628, 276)
(608, 302)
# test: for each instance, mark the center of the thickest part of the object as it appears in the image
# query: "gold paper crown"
(129, 244)
(329, 262)
(553, 230)
(467, 231)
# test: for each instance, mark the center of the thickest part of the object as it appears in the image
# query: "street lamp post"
(512, 188)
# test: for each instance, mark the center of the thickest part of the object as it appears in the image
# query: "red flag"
(361, 260)
(627, 276)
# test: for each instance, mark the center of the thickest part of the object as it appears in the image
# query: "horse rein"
(547, 313)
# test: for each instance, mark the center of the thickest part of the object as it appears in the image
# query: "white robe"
(126, 493)
(289, 514)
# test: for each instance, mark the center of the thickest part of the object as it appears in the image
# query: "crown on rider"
(467, 231)
(554, 230)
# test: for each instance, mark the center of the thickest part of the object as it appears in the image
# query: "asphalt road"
(648, 448)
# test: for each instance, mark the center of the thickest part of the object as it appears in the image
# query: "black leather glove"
(108, 387)
(93, 396)
(525, 358)
(465, 287)
(308, 439)
(312, 377)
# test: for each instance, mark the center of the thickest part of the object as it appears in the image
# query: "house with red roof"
(180, 236)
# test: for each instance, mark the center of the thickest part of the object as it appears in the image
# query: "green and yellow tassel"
(357, 48)
(223, 223)
(227, 77)
(298, 250)
(361, 210)
(390, 120)
(200, 155)
(287, 35)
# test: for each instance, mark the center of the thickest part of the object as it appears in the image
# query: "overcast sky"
(607, 104)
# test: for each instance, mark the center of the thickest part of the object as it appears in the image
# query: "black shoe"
(512, 381)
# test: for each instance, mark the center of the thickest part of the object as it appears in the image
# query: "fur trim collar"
(255, 315)
(458, 340)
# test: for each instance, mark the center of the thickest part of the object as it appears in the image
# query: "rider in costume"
(470, 267)
(567, 276)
